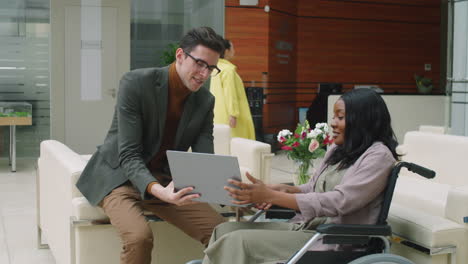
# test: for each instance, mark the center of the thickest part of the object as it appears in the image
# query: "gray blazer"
(137, 130)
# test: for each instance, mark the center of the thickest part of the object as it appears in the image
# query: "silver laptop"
(207, 173)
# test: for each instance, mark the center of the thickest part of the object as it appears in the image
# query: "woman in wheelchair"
(347, 188)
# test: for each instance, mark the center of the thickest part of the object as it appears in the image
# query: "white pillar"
(459, 102)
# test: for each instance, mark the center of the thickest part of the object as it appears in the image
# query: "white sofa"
(434, 129)
(77, 232)
(429, 214)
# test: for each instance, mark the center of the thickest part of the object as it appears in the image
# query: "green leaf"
(168, 55)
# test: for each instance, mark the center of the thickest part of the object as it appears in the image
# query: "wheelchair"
(374, 239)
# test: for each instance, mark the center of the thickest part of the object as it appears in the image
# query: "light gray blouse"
(326, 181)
(357, 198)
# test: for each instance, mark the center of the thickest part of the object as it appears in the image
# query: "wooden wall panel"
(281, 92)
(361, 51)
(367, 42)
(288, 7)
(397, 2)
(371, 10)
(282, 48)
(248, 29)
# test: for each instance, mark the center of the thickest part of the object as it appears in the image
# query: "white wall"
(408, 112)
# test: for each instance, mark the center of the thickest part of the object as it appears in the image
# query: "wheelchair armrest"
(276, 212)
(356, 230)
(279, 212)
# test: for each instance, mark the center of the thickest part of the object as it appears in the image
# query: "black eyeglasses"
(202, 65)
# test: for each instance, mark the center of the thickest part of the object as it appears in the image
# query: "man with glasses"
(158, 109)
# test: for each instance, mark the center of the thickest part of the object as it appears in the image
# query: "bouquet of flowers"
(304, 145)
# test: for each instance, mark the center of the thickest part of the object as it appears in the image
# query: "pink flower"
(295, 144)
(282, 140)
(296, 135)
(314, 144)
(304, 135)
(286, 148)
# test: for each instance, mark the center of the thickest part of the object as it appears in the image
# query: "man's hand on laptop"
(168, 194)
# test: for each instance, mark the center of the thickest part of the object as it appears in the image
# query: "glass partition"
(157, 23)
(24, 70)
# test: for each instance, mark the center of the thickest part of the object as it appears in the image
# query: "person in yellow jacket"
(231, 106)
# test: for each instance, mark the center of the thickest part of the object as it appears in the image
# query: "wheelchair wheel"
(197, 261)
(381, 259)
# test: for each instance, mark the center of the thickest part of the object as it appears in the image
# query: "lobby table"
(12, 122)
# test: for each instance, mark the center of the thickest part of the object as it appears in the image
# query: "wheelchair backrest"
(388, 194)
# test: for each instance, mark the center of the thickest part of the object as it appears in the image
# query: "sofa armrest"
(456, 209)
(222, 139)
(254, 155)
(58, 169)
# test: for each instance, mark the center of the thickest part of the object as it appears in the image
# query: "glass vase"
(303, 168)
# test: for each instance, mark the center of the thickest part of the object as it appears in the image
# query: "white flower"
(284, 134)
(318, 131)
(320, 125)
(312, 134)
(325, 127)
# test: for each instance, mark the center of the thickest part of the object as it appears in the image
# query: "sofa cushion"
(430, 230)
(422, 194)
(83, 210)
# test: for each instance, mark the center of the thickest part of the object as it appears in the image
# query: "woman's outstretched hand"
(257, 193)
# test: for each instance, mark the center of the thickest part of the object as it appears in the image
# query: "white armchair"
(253, 156)
(434, 129)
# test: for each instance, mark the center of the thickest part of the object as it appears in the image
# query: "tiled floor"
(18, 233)
(18, 215)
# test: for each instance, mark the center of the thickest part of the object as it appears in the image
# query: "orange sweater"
(177, 94)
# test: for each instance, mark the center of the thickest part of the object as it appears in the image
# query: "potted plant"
(424, 84)
(168, 55)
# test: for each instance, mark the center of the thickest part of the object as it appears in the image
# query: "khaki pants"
(255, 243)
(125, 210)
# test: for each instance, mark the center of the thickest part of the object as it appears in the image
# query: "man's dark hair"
(205, 36)
(367, 121)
